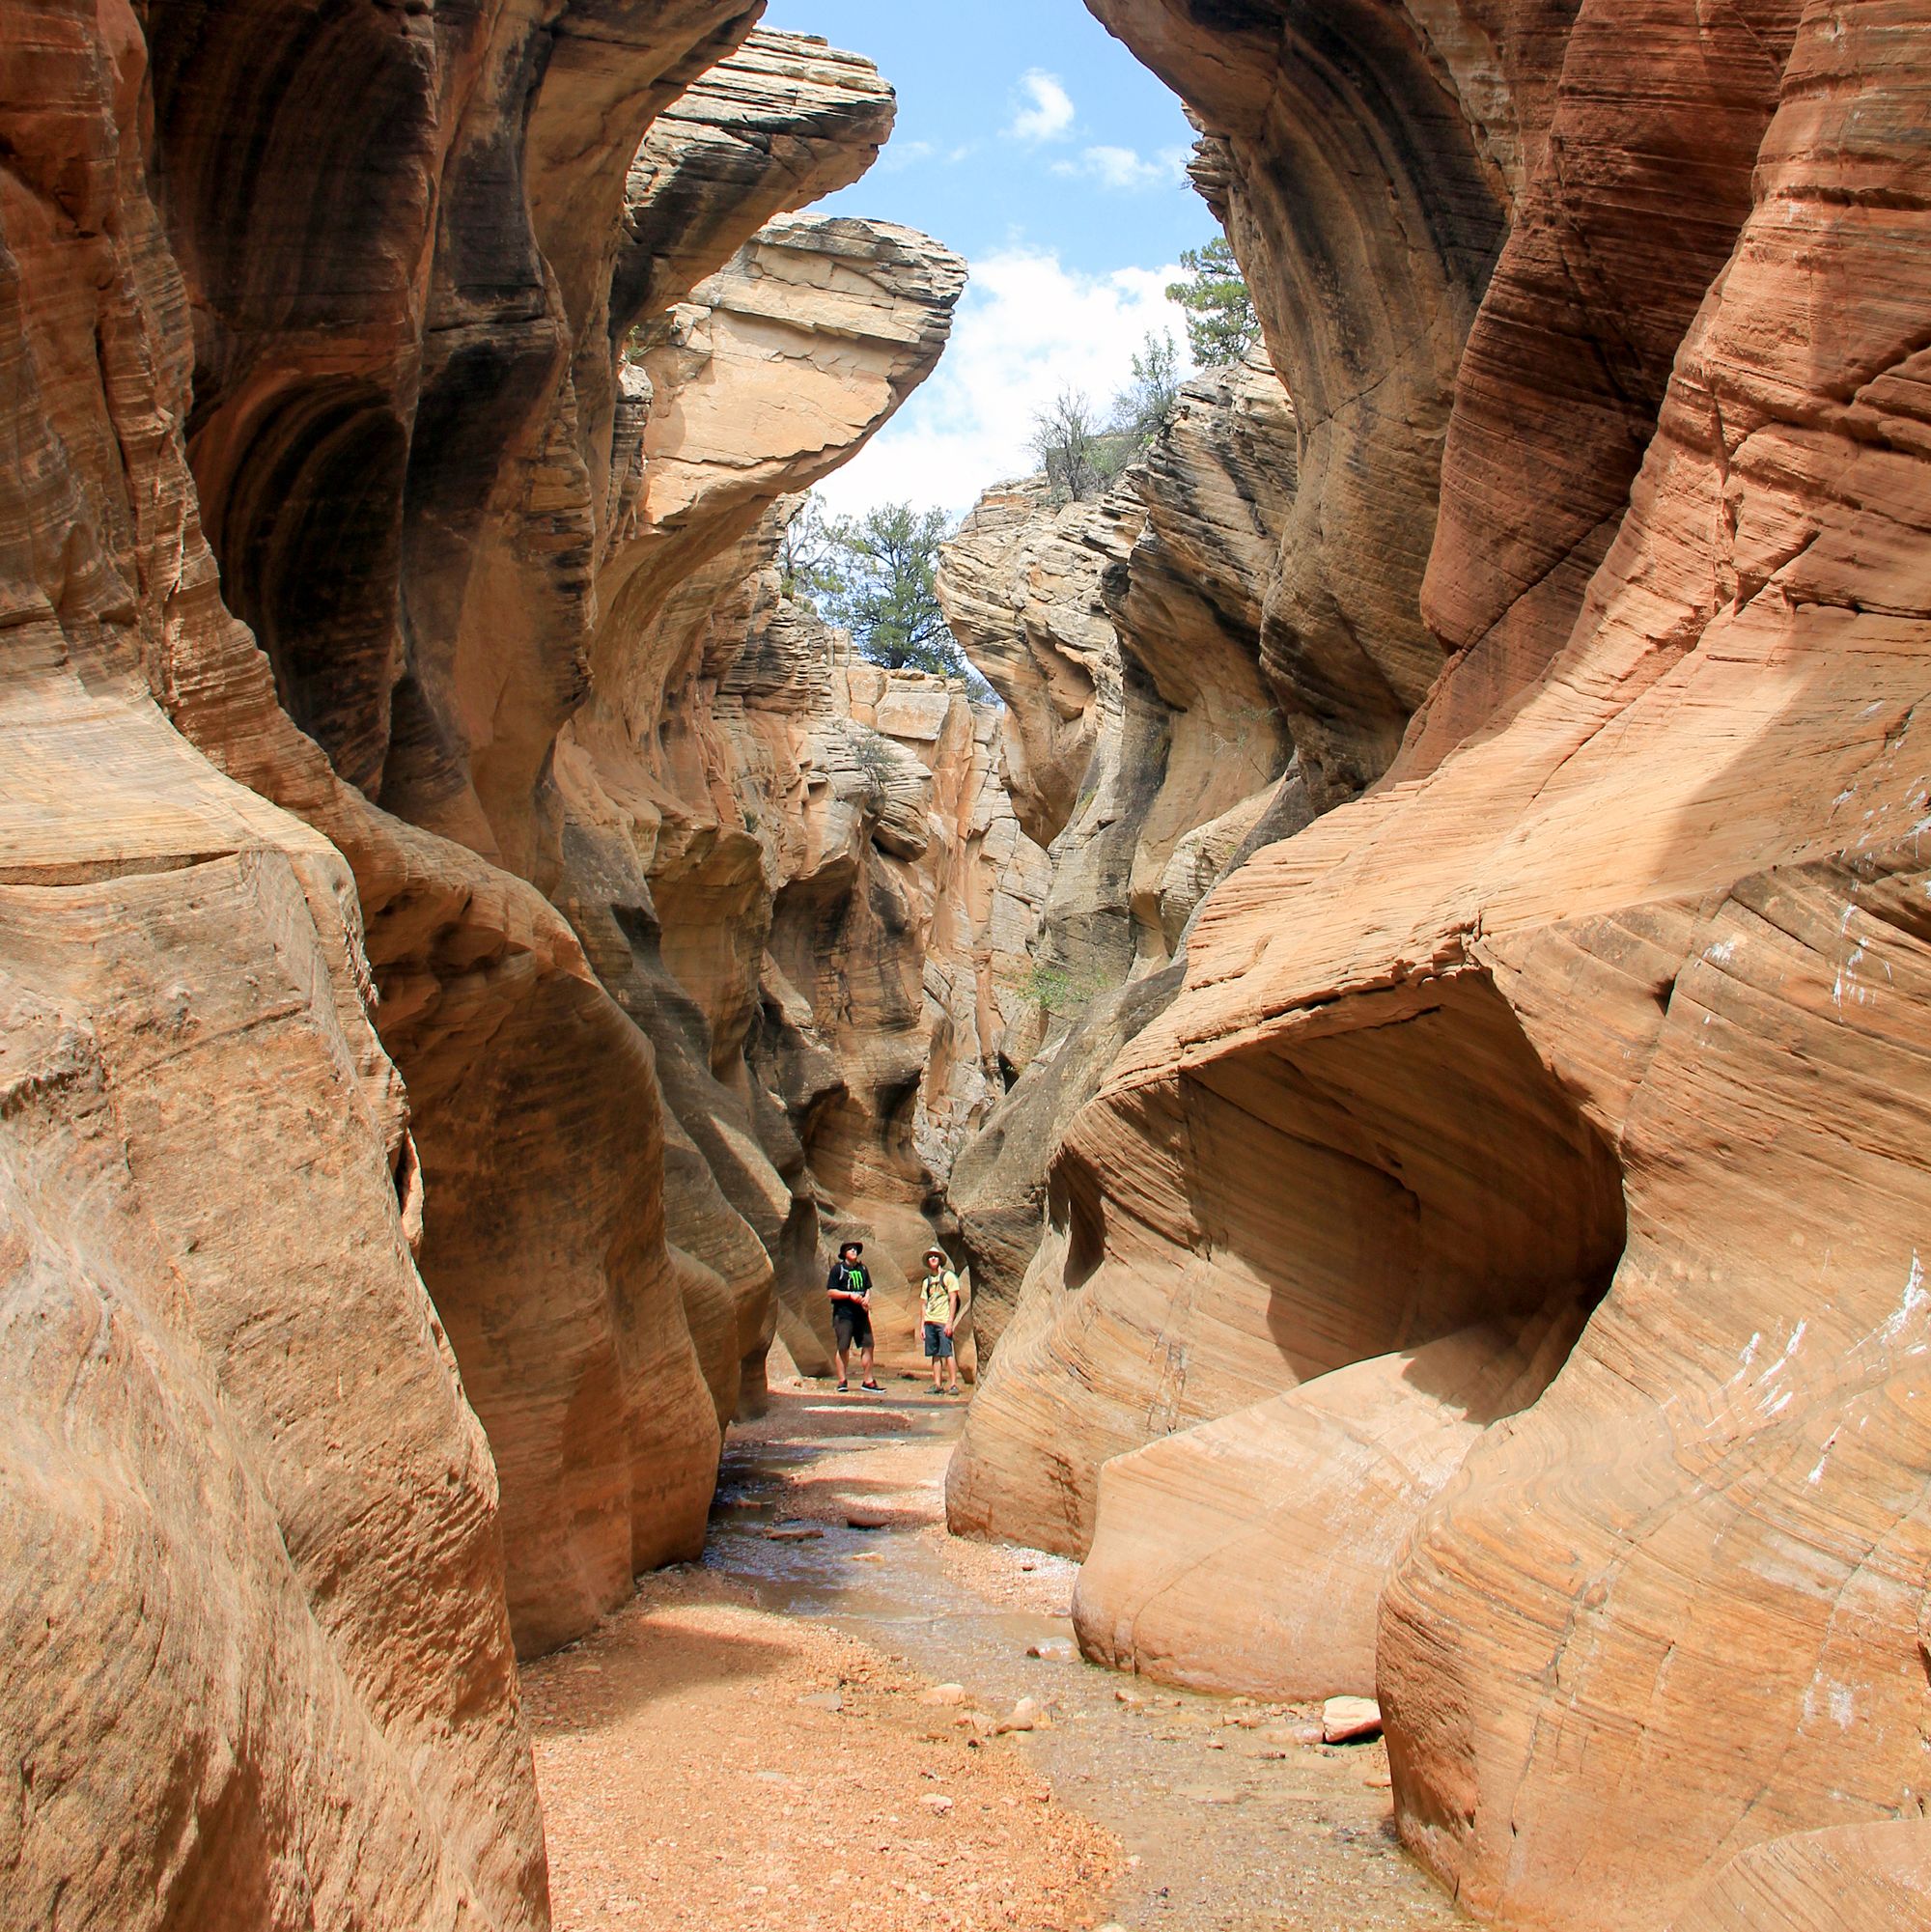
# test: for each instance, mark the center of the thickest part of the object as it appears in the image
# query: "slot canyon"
(1401, 984)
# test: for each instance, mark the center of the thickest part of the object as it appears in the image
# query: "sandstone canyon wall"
(1142, 747)
(494, 498)
(469, 943)
(331, 429)
(1495, 1280)
(789, 865)
(812, 892)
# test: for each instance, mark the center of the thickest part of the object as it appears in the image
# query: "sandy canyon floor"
(808, 1731)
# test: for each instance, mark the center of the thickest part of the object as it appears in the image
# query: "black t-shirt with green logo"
(848, 1277)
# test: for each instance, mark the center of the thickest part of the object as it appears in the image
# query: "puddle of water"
(1225, 1829)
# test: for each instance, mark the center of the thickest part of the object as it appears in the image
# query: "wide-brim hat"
(851, 1247)
(938, 1251)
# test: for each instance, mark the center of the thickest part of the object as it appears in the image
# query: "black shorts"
(938, 1343)
(851, 1324)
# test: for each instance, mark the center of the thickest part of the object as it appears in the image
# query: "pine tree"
(875, 576)
(1222, 326)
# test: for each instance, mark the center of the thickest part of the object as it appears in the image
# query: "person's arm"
(952, 1320)
(831, 1282)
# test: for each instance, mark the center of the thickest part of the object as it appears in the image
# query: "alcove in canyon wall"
(1647, 468)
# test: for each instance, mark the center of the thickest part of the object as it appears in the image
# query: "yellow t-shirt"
(938, 1292)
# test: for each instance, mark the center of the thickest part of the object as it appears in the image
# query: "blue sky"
(1029, 140)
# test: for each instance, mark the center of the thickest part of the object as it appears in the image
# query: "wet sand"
(752, 1743)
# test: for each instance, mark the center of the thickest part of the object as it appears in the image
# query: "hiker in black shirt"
(850, 1290)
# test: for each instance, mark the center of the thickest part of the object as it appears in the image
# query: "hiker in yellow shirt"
(938, 1299)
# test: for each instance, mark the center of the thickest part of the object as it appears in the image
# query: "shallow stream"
(1231, 1820)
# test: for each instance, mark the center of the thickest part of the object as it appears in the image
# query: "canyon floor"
(759, 1741)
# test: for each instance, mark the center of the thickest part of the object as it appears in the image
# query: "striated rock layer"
(761, 834)
(259, 1666)
(360, 297)
(447, 503)
(1141, 746)
(1610, 996)
(1814, 1880)
(1248, 1553)
(831, 900)
(395, 462)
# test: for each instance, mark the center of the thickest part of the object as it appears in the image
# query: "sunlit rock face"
(818, 906)
(259, 1661)
(735, 824)
(1842, 1875)
(1143, 748)
(898, 953)
(1368, 201)
(1608, 998)
(541, 514)
(322, 326)
(416, 440)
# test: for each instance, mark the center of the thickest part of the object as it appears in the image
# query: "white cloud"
(901, 156)
(1047, 114)
(898, 156)
(1027, 329)
(1124, 168)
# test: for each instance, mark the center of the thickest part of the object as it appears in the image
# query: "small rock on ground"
(1348, 1719)
(1055, 1650)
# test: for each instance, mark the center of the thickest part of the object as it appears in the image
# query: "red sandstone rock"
(258, 1630)
(395, 427)
(1819, 1881)
(1368, 201)
(770, 848)
(1124, 637)
(1615, 982)
(417, 539)
(259, 1665)
(1350, 1720)
(1248, 1553)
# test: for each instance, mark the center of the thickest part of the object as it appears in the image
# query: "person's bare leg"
(938, 1375)
(866, 1359)
(844, 1366)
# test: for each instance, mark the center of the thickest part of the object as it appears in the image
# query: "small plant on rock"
(1083, 457)
(1057, 991)
(875, 756)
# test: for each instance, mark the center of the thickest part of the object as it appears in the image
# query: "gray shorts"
(938, 1343)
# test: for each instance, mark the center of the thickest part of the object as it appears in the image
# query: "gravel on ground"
(814, 1728)
(705, 1763)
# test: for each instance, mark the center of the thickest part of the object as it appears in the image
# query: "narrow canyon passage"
(1364, 880)
(807, 1730)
